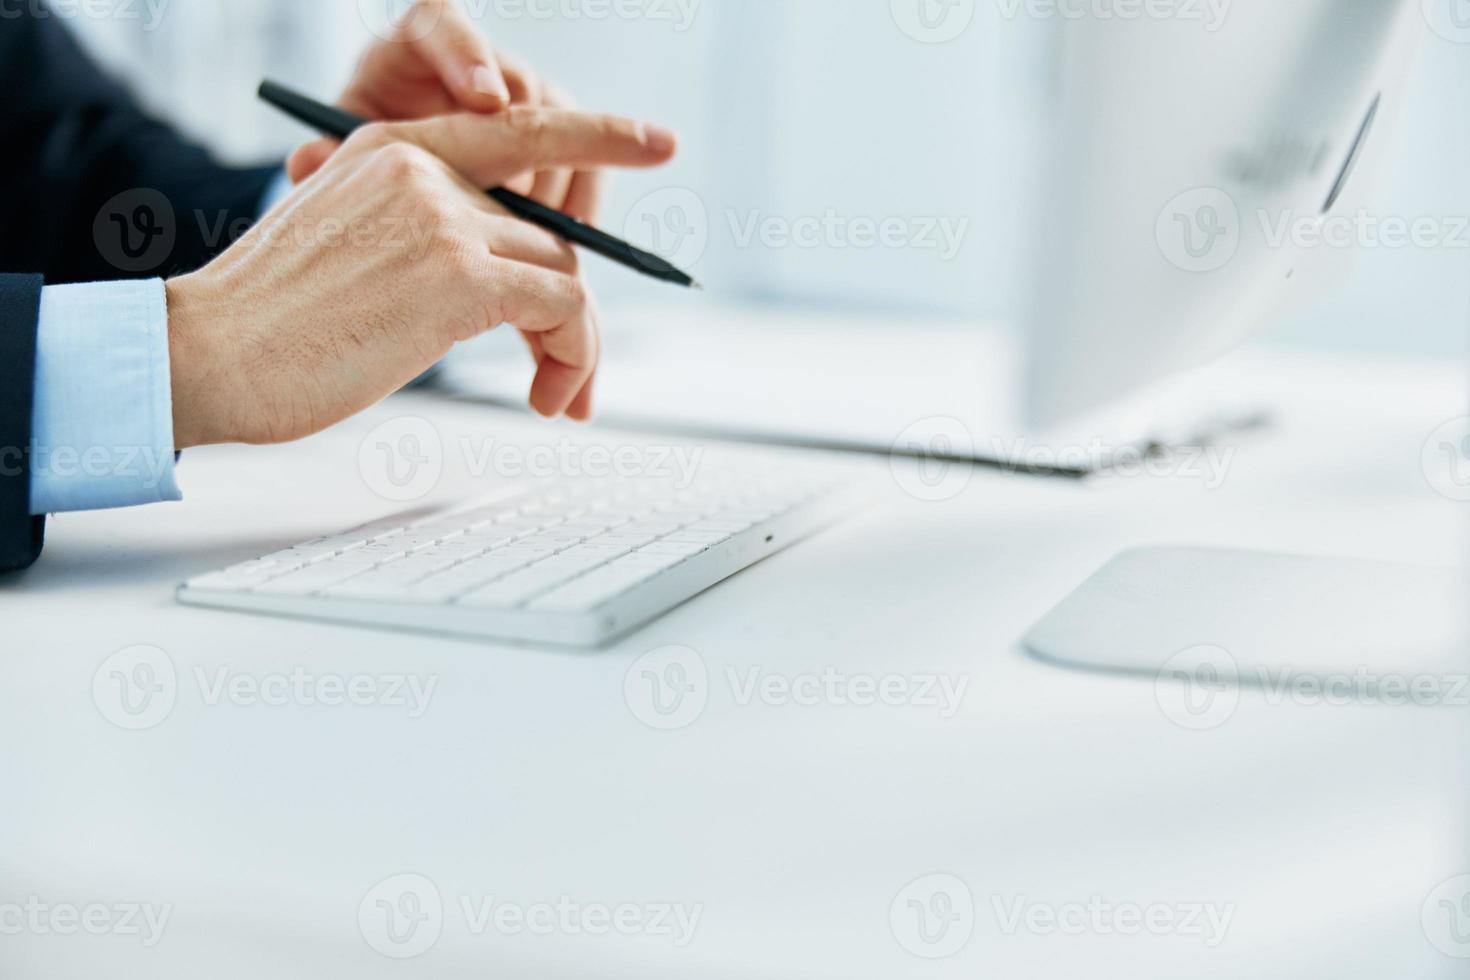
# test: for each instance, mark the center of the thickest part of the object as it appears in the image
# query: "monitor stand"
(1359, 628)
(889, 385)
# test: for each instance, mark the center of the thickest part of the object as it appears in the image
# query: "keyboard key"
(607, 549)
(755, 515)
(500, 563)
(646, 567)
(619, 538)
(381, 532)
(371, 586)
(519, 550)
(681, 513)
(710, 538)
(460, 549)
(674, 549)
(357, 559)
(625, 514)
(415, 540)
(458, 581)
(722, 526)
(556, 542)
(490, 539)
(239, 577)
(258, 565)
(415, 567)
(461, 579)
(658, 528)
(585, 528)
(388, 581)
(514, 590)
(498, 533)
(589, 591)
(309, 580)
(443, 530)
(328, 542)
(570, 566)
(297, 559)
(381, 552)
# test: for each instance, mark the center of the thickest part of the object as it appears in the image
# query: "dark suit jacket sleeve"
(93, 190)
(74, 141)
(20, 534)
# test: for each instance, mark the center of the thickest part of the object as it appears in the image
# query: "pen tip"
(694, 284)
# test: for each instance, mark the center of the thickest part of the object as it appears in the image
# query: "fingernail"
(488, 81)
(657, 138)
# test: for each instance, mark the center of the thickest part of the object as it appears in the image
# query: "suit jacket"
(94, 190)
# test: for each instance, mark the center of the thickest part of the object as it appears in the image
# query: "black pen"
(331, 121)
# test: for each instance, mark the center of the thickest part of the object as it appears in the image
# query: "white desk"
(528, 778)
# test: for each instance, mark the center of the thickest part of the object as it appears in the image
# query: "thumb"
(461, 56)
(490, 150)
(309, 158)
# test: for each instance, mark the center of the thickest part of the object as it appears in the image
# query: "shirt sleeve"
(103, 433)
(279, 187)
(102, 427)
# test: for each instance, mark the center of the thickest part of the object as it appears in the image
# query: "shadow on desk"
(76, 565)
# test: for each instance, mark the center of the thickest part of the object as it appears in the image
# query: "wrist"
(199, 380)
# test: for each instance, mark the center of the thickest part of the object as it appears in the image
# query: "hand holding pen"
(526, 126)
(293, 329)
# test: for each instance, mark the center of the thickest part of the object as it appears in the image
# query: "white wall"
(813, 109)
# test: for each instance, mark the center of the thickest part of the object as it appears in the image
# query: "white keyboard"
(575, 563)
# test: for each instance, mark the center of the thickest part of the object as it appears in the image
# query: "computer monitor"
(1191, 157)
(1193, 171)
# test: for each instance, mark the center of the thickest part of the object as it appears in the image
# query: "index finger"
(488, 150)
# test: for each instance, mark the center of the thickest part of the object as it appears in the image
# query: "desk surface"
(793, 830)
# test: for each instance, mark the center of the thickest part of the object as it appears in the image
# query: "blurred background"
(815, 110)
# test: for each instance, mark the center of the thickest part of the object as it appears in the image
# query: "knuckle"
(404, 163)
(613, 128)
(611, 133)
(371, 137)
(530, 124)
(462, 259)
(575, 291)
(443, 220)
(567, 260)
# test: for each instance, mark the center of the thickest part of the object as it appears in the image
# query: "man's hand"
(368, 275)
(438, 62)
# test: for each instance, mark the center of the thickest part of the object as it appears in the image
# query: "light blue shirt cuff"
(103, 411)
(279, 187)
(102, 428)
